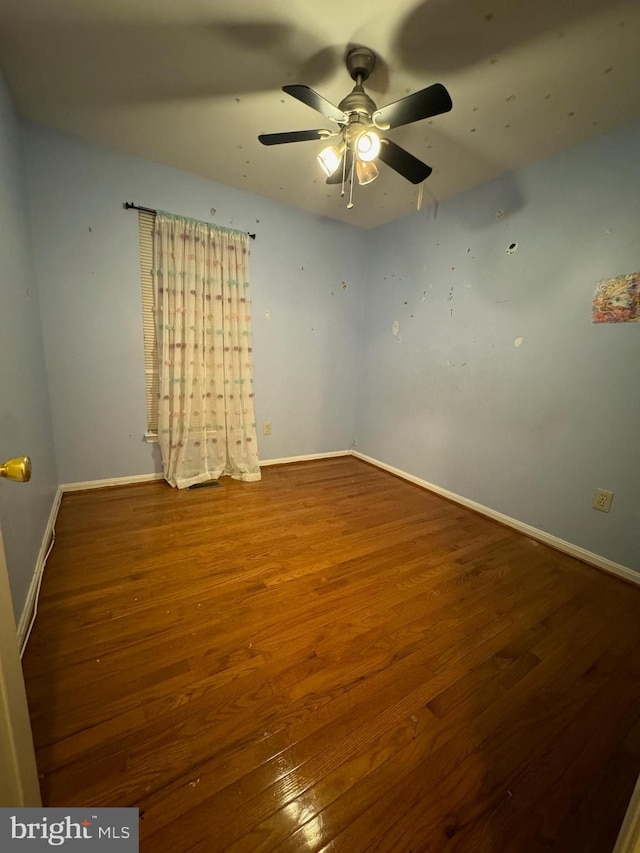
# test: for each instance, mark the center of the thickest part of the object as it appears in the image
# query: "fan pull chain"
(353, 171)
(344, 171)
(420, 188)
(350, 205)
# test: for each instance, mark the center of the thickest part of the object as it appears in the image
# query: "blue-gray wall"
(25, 421)
(305, 350)
(531, 430)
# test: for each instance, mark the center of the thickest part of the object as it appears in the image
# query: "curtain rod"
(128, 205)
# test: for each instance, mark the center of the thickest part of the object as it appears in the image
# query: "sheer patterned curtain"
(206, 422)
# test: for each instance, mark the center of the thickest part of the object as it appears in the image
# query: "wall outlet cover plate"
(602, 500)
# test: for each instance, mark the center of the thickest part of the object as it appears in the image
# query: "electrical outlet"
(602, 500)
(266, 428)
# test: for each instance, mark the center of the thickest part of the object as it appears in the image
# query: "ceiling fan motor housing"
(358, 102)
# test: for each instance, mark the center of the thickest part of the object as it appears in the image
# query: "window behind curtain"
(146, 227)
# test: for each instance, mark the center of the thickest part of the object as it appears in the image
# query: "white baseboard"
(286, 459)
(111, 481)
(146, 478)
(533, 532)
(27, 610)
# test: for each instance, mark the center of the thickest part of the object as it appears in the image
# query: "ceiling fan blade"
(428, 102)
(403, 163)
(293, 136)
(336, 178)
(316, 102)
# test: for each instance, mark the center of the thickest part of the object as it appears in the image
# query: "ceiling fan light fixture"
(361, 128)
(368, 146)
(329, 158)
(367, 171)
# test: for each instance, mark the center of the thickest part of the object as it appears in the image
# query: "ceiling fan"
(359, 123)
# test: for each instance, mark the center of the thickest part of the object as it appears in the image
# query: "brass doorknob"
(17, 469)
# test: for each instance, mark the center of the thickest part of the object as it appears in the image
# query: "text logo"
(70, 829)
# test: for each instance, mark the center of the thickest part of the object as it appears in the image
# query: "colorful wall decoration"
(617, 300)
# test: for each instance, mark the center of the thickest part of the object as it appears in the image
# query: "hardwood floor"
(331, 660)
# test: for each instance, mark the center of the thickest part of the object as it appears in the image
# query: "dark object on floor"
(205, 485)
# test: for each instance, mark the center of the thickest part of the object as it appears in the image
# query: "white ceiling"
(192, 83)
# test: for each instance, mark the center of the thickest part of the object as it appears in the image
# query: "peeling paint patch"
(395, 328)
(511, 249)
(268, 315)
(518, 342)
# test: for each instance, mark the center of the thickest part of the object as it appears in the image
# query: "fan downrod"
(360, 63)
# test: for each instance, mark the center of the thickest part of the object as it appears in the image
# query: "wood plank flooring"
(331, 660)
